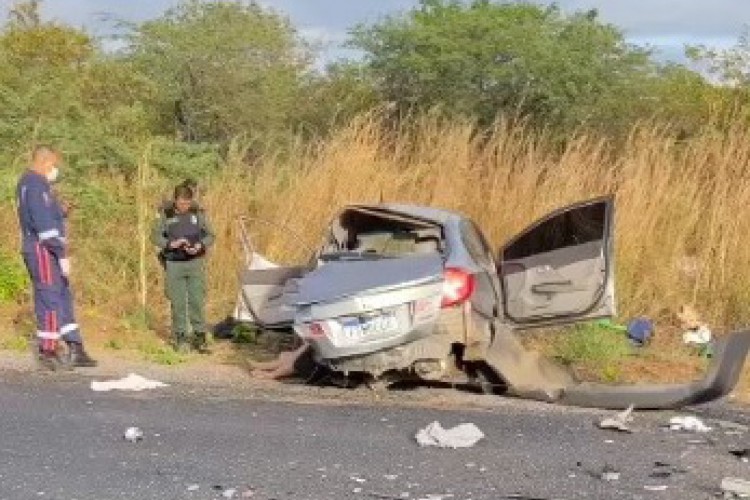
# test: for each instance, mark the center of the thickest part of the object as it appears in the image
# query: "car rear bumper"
(430, 342)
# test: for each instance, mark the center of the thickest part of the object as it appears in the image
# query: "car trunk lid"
(343, 279)
(356, 307)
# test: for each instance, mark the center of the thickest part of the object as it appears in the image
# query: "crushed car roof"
(437, 215)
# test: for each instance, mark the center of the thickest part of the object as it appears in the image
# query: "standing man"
(183, 234)
(44, 248)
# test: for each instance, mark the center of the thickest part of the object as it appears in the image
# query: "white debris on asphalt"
(462, 436)
(132, 382)
(735, 486)
(133, 434)
(618, 422)
(609, 474)
(688, 423)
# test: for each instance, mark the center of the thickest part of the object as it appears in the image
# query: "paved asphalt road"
(60, 440)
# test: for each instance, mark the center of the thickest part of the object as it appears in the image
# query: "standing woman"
(183, 234)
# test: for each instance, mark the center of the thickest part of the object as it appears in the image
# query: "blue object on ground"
(640, 330)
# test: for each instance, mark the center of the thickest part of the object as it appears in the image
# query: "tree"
(483, 58)
(57, 86)
(25, 14)
(729, 66)
(334, 97)
(221, 69)
(39, 67)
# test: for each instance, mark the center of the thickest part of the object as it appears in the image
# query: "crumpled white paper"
(688, 423)
(461, 436)
(132, 382)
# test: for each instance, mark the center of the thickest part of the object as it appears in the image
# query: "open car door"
(267, 291)
(267, 296)
(560, 270)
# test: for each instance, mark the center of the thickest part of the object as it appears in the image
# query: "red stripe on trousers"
(39, 264)
(47, 265)
(43, 263)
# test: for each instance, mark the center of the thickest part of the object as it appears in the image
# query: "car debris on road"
(609, 474)
(133, 434)
(743, 454)
(733, 487)
(619, 422)
(665, 470)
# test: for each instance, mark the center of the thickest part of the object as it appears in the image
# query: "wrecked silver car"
(401, 291)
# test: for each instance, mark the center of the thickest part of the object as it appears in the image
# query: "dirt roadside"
(226, 375)
(217, 378)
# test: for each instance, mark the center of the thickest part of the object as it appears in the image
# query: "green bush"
(593, 344)
(13, 277)
(244, 334)
(177, 160)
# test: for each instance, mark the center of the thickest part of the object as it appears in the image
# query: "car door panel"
(548, 283)
(560, 269)
(267, 296)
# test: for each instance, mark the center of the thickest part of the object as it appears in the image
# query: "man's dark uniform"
(44, 249)
(186, 274)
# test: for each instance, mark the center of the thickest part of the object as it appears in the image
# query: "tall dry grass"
(682, 206)
(680, 225)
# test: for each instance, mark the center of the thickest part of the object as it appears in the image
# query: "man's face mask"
(53, 174)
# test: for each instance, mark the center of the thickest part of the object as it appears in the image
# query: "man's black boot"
(79, 357)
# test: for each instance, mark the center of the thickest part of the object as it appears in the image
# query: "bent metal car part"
(403, 290)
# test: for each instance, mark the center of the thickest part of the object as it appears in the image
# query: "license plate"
(358, 328)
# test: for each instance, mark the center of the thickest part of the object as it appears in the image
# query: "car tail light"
(316, 330)
(458, 286)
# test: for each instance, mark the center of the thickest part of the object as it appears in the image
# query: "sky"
(666, 25)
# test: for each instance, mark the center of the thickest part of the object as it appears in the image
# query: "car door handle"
(553, 287)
